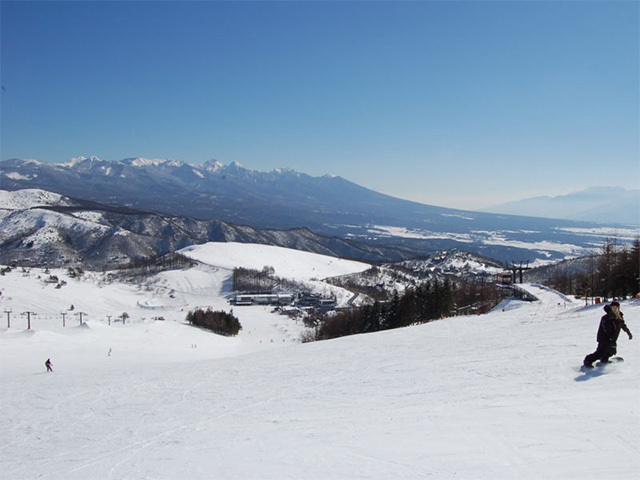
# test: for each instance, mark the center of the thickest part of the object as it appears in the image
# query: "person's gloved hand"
(630, 336)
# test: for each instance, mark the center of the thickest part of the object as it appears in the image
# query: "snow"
(294, 264)
(627, 234)
(151, 162)
(498, 237)
(49, 222)
(389, 231)
(465, 216)
(497, 396)
(72, 162)
(213, 165)
(17, 176)
(30, 198)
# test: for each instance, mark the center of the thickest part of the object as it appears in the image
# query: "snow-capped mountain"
(328, 205)
(209, 191)
(600, 204)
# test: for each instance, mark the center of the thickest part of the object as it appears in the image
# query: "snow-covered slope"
(497, 396)
(289, 263)
(52, 292)
(31, 198)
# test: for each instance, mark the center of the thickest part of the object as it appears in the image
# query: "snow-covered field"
(497, 396)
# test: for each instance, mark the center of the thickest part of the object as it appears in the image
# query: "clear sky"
(459, 104)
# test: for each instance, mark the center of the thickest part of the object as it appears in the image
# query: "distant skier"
(48, 364)
(610, 326)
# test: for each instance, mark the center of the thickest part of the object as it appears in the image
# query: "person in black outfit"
(610, 326)
(48, 364)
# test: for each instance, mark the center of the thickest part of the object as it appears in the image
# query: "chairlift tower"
(29, 315)
(518, 269)
(80, 314)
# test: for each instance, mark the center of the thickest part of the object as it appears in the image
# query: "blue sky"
(459, 104)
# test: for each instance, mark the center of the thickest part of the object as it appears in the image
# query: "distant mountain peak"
(212, 165)
(150, 162)
(25, 161)
(236, 166)
(597, 204)
(72, 162)
(286, 170)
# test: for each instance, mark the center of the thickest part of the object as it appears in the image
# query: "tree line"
(419, 304)
(260, 281)
(157, 263)
(613, 273)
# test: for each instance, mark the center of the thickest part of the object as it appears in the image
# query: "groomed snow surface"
(497, 396)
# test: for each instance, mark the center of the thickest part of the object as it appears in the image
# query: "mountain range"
(43, 228)
(170, 197)
(601, 204)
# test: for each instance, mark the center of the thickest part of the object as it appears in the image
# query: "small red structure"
(504, 278)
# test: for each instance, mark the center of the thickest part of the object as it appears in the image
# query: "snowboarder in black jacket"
(610, 326)
(48, 364)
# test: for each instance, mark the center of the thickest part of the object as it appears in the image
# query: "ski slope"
(497, 396)
(286, 263)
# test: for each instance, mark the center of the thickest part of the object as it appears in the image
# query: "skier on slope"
(610, 326)
(48, 364)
